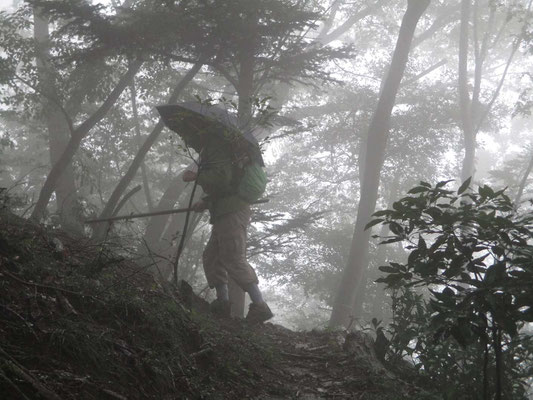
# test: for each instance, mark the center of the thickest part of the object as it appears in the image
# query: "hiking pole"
(184, 233)
(131, 216)
(152, 214)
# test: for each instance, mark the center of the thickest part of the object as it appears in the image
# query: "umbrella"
(195, 118)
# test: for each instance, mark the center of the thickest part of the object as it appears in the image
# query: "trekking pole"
(184, 233)
(131, 216)
(152, 214)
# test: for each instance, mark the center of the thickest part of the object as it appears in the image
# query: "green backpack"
(252, 182)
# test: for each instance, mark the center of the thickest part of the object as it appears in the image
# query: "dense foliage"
(463, 298)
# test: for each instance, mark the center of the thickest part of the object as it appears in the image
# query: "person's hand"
(199, 206)
(189, 176)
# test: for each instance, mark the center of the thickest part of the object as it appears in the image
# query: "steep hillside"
(77, 322)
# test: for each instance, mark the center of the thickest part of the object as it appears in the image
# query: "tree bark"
(168, 245)
(58, 128)
(523, 181)
(156, 225)
(245, 90)
(74, 142)
(465, 104)
(100, 229)
(378, 132)
(362, 290)
(144, 172)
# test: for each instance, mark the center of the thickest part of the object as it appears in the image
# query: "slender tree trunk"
(156, 225)
(497, 346)
(74, 142)
(361, 292)
(378, 132)
(144, 173)
(100, 229)
(58, 127)
(523, 182)
(485, 370)
(472, 112)
(245, 91)
(155, 246)
(159, 241)
(465, 104)
(169, 241)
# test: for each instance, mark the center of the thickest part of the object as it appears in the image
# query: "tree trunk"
(156, 225)
(378, 132)
(497, 346)
(473, 113)
(523, 181)
(167, 246)
(245, 91)
(144, 173)
(380, 258)
(74, 142)
(159, 241)
(100, 229)
(58, 127)
(465, 105)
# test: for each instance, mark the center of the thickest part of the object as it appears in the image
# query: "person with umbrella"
(224, 154)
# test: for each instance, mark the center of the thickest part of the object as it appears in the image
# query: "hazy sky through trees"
(314, 162)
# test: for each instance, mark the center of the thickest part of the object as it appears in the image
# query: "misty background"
(80, 137)
(301, 239)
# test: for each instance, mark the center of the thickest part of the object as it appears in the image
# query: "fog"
(353, 103)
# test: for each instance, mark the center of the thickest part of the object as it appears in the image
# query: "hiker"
(225, 252)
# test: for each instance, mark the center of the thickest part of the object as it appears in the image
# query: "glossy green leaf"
(464, 186)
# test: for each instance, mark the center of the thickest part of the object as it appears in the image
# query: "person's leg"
(255, 294)
(231, 236)
(215, 273)
(217, 277)
(232, 251)
(222, 291)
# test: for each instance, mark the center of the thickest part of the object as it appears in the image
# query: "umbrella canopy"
(196, 119)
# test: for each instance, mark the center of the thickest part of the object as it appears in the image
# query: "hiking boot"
(220, 308)
(258, 313)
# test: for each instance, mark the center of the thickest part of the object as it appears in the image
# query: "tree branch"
(139, 157)
(53, 99)
(516, 45)
(329, 37)
(74, 143)
(226, 75)
(90, 122)
(427, 71)
(439, 23)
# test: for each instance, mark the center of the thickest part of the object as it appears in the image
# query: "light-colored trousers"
(225, 252)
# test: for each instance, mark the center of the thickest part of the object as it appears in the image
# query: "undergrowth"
(112, 334)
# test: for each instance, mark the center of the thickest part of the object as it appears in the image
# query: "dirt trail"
(315, 366)
(320, 365)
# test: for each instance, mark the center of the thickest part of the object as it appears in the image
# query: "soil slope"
(80, 322)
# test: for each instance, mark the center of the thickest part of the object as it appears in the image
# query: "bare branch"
(77, 136)
(329, 37)
(427, 71)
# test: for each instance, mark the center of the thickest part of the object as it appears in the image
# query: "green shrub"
(466, 290)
